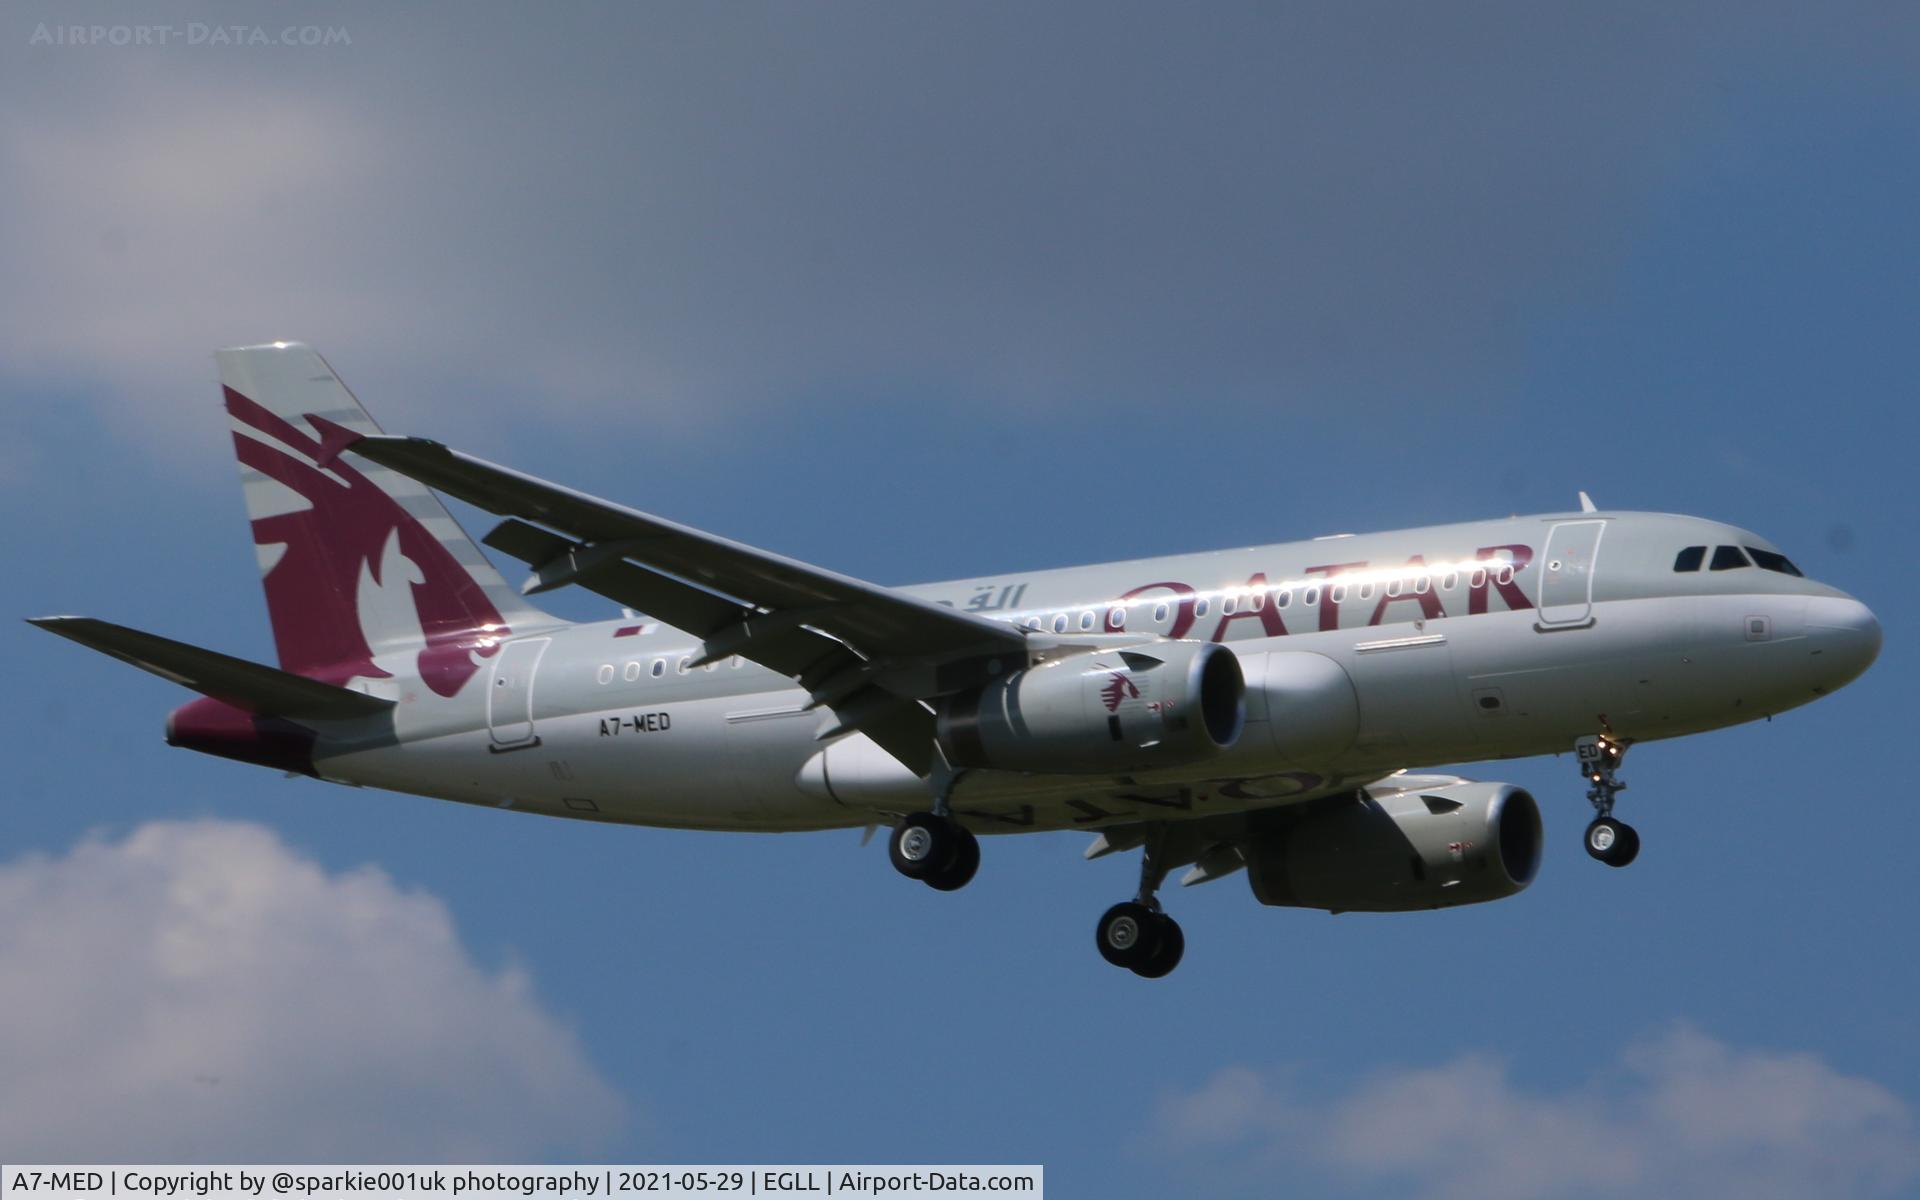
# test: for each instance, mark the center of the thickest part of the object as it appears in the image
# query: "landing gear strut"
(1612, 842)
(1135, 934)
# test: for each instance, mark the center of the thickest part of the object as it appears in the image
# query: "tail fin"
(367, 574)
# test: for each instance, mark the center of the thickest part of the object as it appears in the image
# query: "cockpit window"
(1690, 558)
(1728, 558)
(1769, 561)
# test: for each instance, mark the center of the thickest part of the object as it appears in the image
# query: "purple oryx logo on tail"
(357, 577)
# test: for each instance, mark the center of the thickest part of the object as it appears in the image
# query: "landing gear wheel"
(937, 850)
(1612, 842)
(959, 869)
(922, 845)
(1168, 945)
(1126, 932)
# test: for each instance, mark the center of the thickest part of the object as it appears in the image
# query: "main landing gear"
(937, 850)
(1135, 934)
(933, 847)
(943, 854)
(1612, 842)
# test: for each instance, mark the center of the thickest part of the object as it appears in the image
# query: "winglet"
(1586, 503)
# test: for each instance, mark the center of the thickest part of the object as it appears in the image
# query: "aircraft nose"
(1844, 634)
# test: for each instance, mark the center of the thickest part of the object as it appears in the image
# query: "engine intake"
(1161, 704)
(1403, 849)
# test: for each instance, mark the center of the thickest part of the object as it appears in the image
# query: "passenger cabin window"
(1728, 558)
(1769, 561)
(1690, 558)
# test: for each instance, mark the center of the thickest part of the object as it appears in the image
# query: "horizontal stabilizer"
(266, 691)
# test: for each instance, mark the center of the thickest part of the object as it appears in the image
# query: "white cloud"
(680, 214)
(1680, 1114)
(198, 991)
(692, 223)
(148, 224)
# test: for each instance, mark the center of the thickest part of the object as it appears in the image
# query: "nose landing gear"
(1613, 842)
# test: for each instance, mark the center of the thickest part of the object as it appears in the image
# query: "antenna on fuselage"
(1586, 503)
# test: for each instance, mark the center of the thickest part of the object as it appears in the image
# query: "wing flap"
(832, 674)
(726, 627)
(267, 691)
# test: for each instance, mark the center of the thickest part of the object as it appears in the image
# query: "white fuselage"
(1362, 655)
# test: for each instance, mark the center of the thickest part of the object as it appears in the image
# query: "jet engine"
(1398, 848)
(1161, 704)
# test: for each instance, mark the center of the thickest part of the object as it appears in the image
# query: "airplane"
(1268, 709)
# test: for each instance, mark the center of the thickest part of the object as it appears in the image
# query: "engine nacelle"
(1399, 848)
(1161, 704)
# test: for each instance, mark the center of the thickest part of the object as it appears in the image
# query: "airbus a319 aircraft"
(1258, 709)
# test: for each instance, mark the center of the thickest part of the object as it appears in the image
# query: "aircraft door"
(1566, 574)
(510, 697)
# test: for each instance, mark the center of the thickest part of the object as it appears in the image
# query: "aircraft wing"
(1216, 846)
(869, 653)
(835, 677)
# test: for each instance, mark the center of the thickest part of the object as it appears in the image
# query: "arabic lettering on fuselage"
(987, 598)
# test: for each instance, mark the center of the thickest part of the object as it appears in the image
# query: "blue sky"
(919, 292)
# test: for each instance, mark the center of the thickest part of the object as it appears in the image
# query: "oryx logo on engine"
(1119, 689)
